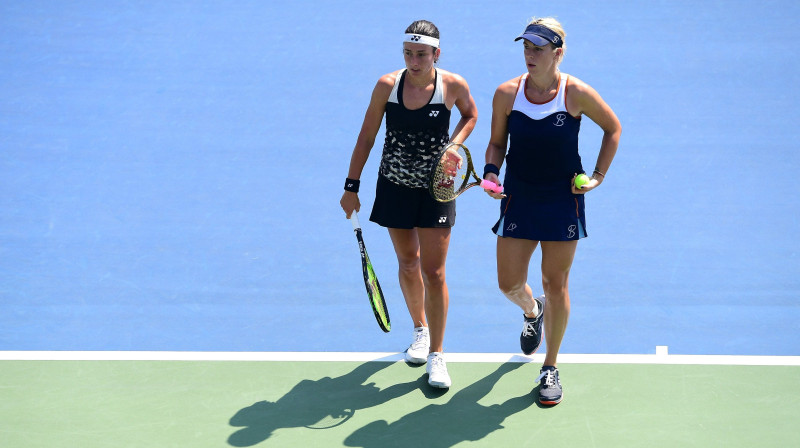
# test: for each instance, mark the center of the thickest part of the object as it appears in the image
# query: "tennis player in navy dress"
(536, 118)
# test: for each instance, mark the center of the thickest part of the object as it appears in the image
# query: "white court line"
(661, 357)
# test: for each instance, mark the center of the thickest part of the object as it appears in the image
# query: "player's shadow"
(321, 403)
(461, 419)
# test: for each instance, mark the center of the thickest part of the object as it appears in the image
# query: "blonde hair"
(555, 26)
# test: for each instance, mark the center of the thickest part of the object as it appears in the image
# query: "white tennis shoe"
(417, 352)
(437, 371)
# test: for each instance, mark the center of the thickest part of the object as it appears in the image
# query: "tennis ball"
(581, 180)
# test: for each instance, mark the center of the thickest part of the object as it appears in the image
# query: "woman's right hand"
(350, 202)
(493, 178)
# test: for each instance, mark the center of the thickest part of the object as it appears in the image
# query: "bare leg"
(557, 259)
(434, 243)
(513, 259)
(406, 246)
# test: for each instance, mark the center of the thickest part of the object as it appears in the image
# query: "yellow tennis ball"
(581, 180)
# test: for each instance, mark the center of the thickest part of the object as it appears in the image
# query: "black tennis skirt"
(400, 207)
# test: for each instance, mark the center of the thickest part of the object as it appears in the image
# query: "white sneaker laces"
(529, 329)
(549, 377)
(420, 341)
(437, 364)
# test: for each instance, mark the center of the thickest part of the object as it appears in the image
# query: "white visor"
(421, 39)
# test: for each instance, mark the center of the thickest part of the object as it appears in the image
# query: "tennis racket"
(371, 280)
(453, 172)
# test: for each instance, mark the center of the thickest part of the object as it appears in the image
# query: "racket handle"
(354, 221)
(489, 185)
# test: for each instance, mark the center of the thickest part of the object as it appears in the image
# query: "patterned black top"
(414, 137)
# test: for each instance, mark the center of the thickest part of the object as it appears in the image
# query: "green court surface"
(198, 404)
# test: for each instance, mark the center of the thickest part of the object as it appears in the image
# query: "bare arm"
(587, 101)
(366, 139)
(466, 107)
(502, 103)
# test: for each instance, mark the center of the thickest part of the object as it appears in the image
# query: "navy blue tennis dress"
(413, 140)
(542, 159)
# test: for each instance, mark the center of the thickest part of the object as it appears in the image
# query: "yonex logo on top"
(434, 113)
(442, 219)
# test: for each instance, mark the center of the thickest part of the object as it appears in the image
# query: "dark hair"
(423, 27)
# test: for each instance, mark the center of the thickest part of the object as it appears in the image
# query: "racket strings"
(450, 173)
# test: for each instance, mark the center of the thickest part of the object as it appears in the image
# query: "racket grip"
(354, 221)
(489, 185)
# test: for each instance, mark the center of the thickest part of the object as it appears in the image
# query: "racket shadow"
(461, 419)
(315, 404)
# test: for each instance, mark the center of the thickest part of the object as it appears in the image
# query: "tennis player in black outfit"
(417, 102)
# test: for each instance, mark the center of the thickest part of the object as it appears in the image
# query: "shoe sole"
(413, 360)
(439, 385)
(551, 402)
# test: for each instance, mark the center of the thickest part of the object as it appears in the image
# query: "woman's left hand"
(585, 188)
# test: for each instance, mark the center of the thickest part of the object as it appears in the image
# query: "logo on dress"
(571, 230)
(560, 120)
(434, 113)
(511, 227)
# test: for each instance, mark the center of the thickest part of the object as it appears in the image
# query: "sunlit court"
(176, 269)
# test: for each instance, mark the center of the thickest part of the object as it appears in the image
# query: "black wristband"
(491, 168)
(351, 185)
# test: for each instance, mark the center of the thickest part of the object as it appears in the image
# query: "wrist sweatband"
(491, 168)
(351, 185)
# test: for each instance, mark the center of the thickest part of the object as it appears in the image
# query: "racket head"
(374, 292)
(376, 298)
(450, 174)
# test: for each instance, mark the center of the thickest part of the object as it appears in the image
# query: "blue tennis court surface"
(170, 175)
